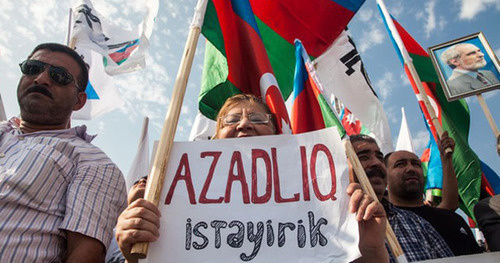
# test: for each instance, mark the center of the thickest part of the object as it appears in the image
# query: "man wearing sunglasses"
(60, 196)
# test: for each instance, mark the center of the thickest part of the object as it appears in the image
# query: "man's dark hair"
(83, 78)
(361, 138)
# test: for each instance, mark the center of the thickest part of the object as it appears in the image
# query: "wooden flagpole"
(69, 41)
(413, 72)
(3, 116)
(392, 241)
(157, 176)
(414, 75)
(490, 119)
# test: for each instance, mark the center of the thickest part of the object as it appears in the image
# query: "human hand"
(372, 221)
(139, 222)
(446, 142)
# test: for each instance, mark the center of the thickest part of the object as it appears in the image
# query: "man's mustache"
(376, 171)
(39, 89)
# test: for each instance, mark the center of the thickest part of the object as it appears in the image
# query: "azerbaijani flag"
(351, 124)
(248, 65)
(234, 60)
(433, 169)
(453, 116)
(310, 110)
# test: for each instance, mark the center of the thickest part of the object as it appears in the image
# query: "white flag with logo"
(102, 95)
(342, 74)
(124, 50)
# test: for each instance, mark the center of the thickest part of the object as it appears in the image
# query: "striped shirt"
(418, 239)
(51, 181)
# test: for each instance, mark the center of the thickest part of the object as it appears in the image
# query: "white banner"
(260, 199)
(124, 50)
(102, 94)
(342, 74)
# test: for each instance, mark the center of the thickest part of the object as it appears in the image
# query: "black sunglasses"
(58, 74)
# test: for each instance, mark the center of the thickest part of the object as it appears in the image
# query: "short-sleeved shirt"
(52, 181)
(418, 239)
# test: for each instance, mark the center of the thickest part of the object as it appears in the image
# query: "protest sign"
(260, 199)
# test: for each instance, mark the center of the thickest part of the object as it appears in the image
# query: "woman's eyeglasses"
(59, 75)
(255, 118)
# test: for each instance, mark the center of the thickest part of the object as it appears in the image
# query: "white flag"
(140, 165)
(203, 128)
(405, 142)
(124, 50)
(102, 95)
(341, 71)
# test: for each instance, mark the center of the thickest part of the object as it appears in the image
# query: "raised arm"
(450, 196)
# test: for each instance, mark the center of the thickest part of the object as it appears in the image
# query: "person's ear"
(455, 62)
(82, 99)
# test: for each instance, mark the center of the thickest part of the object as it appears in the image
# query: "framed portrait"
(466, 66)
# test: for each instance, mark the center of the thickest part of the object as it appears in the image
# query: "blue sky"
(147, 92)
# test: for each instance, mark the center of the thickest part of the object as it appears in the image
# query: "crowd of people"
(63, 199)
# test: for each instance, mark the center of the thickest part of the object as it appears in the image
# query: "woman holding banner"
(245, 116)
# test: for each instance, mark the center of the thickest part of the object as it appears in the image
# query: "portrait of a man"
(467, 62)
(466, 66)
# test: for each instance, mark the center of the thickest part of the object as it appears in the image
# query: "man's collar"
(473, 74)
(80, 131)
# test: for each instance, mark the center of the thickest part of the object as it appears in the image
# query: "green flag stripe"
(455, 118)
(213, 94)
(329, 116)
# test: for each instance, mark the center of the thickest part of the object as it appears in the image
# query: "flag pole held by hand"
(157, 176)
(392, 241)
(414, 79)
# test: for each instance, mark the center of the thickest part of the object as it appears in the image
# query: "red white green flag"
(453, 116)
(230, 65)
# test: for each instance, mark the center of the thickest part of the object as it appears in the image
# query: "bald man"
(405, 185)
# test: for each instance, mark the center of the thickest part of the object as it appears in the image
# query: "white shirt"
(51, 181)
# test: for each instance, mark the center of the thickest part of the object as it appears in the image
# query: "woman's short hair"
(236, 100)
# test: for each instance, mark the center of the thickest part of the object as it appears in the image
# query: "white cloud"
(7, 7)
(392, 113)
(26, 33)
(371, 37)
(469, 9)
(6, 54)
(431, 21)
(396, 8)
(420, 140)
(404, 79)
(43, 13)
(442, 22)
(365, 15)
(385, 85)
(430, 24)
